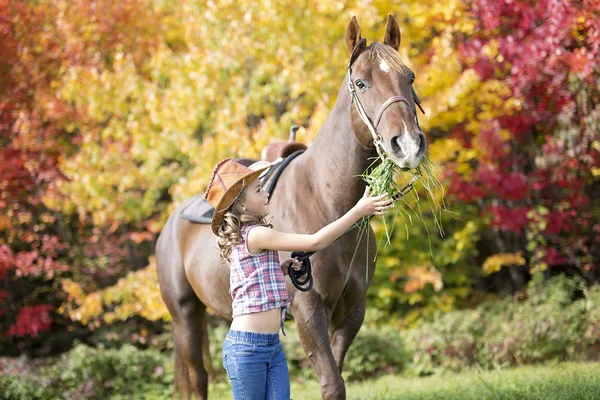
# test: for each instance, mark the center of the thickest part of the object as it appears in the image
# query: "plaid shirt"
(256, 282)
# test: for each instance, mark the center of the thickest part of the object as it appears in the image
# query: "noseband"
(377, 139)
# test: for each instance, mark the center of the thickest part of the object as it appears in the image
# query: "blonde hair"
(230, 230)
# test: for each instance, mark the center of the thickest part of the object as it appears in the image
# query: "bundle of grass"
(384, 176)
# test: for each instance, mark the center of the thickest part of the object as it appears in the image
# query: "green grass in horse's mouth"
(387, 177)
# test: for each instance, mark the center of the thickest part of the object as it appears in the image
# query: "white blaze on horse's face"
(385, 67)
(409, 147)
(386, 94)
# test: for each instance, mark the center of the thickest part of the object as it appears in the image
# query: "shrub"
(13, 387)
(375, 351)
(95, 373)
(556, 322)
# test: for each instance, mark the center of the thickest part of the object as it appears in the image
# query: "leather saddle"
(280, 154)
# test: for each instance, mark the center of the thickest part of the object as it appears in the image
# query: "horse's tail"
(206, 360)
(182, 376)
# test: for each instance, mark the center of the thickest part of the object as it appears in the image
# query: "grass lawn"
(565, 381)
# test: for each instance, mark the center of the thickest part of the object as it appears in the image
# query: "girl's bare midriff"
(261, 322)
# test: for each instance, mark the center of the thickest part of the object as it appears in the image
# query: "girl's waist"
(264, 322)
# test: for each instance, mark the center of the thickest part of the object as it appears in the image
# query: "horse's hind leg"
(342, 338)
(191, 346)
(188, 313)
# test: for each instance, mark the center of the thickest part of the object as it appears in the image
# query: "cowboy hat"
(228, 180)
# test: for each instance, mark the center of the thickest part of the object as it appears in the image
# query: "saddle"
(280, 154)
(278, 150)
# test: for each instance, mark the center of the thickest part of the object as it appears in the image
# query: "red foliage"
(548, 52)
(512, 219)
(38, 43)
(32, 320)
(553, 257)
(31, 263)
(7, 260)
(464, 191)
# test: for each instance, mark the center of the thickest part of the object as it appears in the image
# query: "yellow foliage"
(136, 294)
(420, 276)
(464, 237)
(223, 79)
(443, 150)
(74, 290)
(493, 263)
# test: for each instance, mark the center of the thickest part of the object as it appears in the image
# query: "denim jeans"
(256, 366)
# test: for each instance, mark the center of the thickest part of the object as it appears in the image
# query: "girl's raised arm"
(263, 238)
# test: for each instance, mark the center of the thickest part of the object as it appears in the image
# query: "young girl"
(252, 353)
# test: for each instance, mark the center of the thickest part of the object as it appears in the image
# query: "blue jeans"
(256, 366)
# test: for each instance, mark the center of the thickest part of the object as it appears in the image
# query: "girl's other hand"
(373, 205)
(290, 261)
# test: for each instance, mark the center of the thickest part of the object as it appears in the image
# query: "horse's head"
(383, 94)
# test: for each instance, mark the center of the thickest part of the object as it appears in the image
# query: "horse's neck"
(338, 158)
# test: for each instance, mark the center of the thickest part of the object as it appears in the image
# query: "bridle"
(377, 139)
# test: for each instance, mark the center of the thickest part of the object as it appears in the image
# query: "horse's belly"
(209, 277)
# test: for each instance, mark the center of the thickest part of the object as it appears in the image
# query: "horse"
(374, 113)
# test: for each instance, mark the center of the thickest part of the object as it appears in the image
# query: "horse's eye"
(412, 79)
(360, 84)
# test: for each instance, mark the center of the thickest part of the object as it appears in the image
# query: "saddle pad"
(199, 210)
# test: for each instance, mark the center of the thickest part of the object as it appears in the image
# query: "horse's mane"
(380, 52)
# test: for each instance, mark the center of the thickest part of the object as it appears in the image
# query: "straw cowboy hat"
(228, 180)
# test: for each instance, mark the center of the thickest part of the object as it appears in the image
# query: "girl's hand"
(290, 261)
(373, 205)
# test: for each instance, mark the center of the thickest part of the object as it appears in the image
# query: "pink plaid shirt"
(256, 282)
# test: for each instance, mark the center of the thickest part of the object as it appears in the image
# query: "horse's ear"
(392, 33)
(352, 34)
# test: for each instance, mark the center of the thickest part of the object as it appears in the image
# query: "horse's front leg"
(343, 336)
(311, 320)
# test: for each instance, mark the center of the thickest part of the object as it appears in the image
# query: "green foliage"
(375, 351)
(125, 370)
(95, 373)
(556, 322)
(562, 381)
(404, 286)
(14, 387)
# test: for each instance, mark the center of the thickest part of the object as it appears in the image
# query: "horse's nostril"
(396, 147)
(422, 143)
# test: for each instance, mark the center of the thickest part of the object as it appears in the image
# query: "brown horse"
(316, 188)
